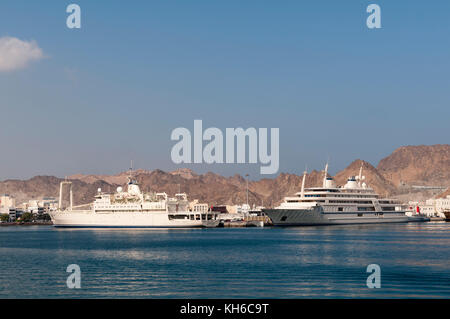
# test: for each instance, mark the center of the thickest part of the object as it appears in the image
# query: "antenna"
(303, 184)
(247, 187)
(325, 175)
(130, 173)
(360, 174)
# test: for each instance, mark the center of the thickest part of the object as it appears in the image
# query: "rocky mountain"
(444, 194)
(413, 165)
(120, 178)
(48, 186)
(418, 165)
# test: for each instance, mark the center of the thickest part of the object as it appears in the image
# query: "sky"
(90, 100)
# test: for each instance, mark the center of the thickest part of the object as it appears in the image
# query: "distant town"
(32, 211)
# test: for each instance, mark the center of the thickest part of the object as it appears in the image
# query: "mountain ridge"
(407, 165)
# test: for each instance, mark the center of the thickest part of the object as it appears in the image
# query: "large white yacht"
(353, 203)
(130, 208)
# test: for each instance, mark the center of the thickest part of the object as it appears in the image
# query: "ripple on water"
(320, 262)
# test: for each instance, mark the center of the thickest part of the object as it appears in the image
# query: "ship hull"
(316, 216)
(89, 219)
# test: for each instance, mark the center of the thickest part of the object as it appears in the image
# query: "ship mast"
(303, 184)
(325, 176)
(247, 188)
(65, 182)
(360, 174)
(130, 173)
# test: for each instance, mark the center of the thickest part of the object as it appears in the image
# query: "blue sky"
(115, 89)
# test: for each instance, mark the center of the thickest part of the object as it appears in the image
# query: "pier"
(249, 221)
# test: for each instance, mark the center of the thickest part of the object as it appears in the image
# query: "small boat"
(255, 223)
(419, 218)
(211, 223)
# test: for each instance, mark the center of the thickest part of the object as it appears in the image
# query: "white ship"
(353, 203)
(130, 208)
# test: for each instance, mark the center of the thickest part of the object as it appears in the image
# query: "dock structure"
(265, 219)
(248, 221)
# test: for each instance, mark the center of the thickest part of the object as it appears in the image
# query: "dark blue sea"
(307, 262)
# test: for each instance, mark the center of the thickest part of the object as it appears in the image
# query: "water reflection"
(228, 263)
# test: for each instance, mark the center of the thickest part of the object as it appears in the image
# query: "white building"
(6, 202)
(428, 210)
(39, 206)
(195, 206)
(232, 209)
(243, 209)
(49, 203)
(442, 204)
(432, 206)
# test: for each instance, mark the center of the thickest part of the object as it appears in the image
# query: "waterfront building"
(195, 206)
(221, 209)
(14, 214)
(232, 209)
(442, 204)
(40, 206)
(256, 211)
(432, 207)
(49, 203)
(34, 206)
(6, 203)
(414, 208)
(243, 209)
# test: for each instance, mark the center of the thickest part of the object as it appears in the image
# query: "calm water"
(325, 262)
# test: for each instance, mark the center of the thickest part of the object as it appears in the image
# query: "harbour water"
(303, 262)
